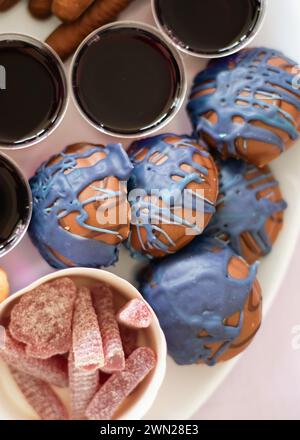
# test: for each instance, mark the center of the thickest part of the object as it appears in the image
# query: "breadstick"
(40, 8)
(67, 37)
(6, 4)
(69, 11)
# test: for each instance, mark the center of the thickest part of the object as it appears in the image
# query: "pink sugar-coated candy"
(83, 387)
(87, 340)
(135, 314)
(53, 370)
(120, 385)
(42, 319)
(112, 344)
(40, 396)
(129, 339)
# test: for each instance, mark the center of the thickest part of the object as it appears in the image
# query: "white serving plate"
(185, 389)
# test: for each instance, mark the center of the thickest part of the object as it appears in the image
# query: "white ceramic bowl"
(13, 405)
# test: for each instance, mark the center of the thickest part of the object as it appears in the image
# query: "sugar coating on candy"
(83, 387)
(87, 340)
(129, 339)
(121, 384)
(135, 314)
(53, 370)
(112, 344)
(40, 396)
(42, 319)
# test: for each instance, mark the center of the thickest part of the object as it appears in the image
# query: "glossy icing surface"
(193, 294)
(247, 98)
(56, 189)
(168, 165)
(249, 198)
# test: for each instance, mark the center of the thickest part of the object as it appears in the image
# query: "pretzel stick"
(40, 8)
(69, 11)
(67, 37)
(6, 4)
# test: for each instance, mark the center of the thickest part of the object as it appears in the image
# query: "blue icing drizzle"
(249, 57)
(238, 207)
(151, 176)
(254, 75)
(191, 292)
(55, 195)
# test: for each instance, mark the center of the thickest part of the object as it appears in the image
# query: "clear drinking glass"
(185, 47)
(150, 33)
(15, 204)
(36, 108)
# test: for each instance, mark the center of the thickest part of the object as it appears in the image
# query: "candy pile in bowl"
(65, 334)
(200, 277)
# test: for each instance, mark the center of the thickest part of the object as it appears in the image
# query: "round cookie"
(250, 209)
(80, 208)
(247, 105)
(207, 299)
(174, 188)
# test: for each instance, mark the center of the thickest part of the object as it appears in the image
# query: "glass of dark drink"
(15, 204)
(127, 81)
(209, 28)
(33, 91)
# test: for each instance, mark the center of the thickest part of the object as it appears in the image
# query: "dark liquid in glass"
(14, 204)
(208, 26)
(31, 93)
(126, 80)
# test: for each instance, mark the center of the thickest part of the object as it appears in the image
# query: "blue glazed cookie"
(247, 106)
(178, 181)
(250, 209)
(207, 299)
(80, 208)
